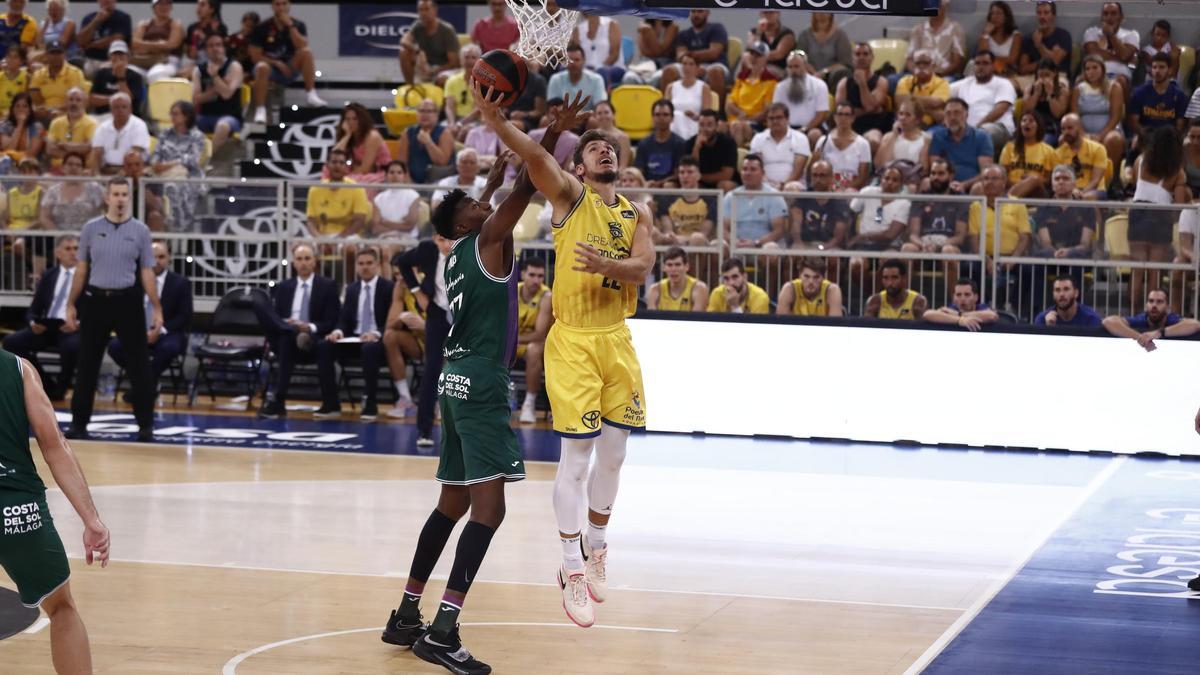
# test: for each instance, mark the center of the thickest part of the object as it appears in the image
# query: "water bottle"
(108, 386)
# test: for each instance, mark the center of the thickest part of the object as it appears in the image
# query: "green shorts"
(478, 443)
(30, 550)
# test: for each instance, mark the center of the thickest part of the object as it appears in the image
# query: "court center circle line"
(230, 667)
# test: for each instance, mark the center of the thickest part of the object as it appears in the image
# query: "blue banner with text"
(375, 30)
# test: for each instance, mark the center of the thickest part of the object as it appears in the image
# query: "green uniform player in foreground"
(31, 552)
(479, 452)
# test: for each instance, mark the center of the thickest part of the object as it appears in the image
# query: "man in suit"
(175, 294)
(364, 315)
(45, 316)
(429, 257)
(304, 310)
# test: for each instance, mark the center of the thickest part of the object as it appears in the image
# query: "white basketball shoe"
(595, 563)
(576, 601)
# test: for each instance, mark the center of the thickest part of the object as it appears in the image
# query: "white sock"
(572, 554)
(530, 399)
(595, 535)
(402, 390)
(569, 496)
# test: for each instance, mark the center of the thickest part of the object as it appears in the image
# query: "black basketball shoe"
(402, 633)
(1194, 584)
(447, 651)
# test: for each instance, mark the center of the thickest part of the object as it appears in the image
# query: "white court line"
(37, 626)
(968, 616)
(230, 667)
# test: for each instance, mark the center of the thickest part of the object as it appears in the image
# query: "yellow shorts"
(593, 376)
(521, 349)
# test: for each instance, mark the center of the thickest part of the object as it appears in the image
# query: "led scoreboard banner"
(881, 7)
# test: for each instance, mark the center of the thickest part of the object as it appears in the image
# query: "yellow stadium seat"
(207, 154)
(1018, 108)
(714, 100)
(245, 96)
(632, 103)
(735, 49)
(393, 147)
(463, 39)
(889, 50)
(165, 93)
(411, 95)
(1116, 236)
(399, 120)
(1187, 61)
(528, 226)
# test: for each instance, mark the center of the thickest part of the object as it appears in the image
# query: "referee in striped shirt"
(115, 268)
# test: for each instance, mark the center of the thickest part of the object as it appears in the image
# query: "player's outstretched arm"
(631, 270)
(63, 465)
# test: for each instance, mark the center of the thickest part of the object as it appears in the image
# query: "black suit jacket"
(323, 304)
(176, 303)
(423, 256)
(43, 295)
(348, 323)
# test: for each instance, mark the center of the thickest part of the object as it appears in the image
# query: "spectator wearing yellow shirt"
(72, 131)
(753, 90)
(18, 28)
(1015, 232)
(337, 211)
(926, 88)
(50, 83)
(14, 79)
(736, 294)
(460, 106)
(1088, 158)
(1028, 160)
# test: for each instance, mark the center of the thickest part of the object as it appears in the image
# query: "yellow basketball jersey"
(815, 307)
(527, 312)
(683, 303)
(903, 312)
(581, 299)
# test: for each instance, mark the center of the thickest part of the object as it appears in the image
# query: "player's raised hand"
(572, 115)
(589, 259)
(488, 104)
(495, 177)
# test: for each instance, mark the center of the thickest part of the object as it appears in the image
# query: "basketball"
(504, 71)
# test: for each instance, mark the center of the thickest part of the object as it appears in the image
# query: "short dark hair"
(954, 99)
(731, 263)
(368, 250)
(673, 253)
(587, 137)
(76, 155)
(1053, 7)
(443, 216)
(554, 102)
(967, 281)
(663, 102)
(894, 264)
(533, 261)
(709, 112)
(1163, 24)
(688, 160)
(574, 47)
(1159, 289)
(396, 162)
(986, 52)
(754, 157)
(116, 180)
(607, 103)
(337, 151)
(188, 110)
(1066, 277)
(1161, 58)
(938, 159)
(817, 265)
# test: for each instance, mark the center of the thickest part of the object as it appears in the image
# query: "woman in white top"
(600, 38)
(689, 95)
(1160, 180)
(396, 210)
(906, 141)
(848, 153)
(1001, 37)
(56, 26)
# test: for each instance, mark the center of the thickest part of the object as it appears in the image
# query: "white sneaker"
(528, 413)
(402, 409)
(314, 100)
(260, 115)
(595, 561)
(576, 601)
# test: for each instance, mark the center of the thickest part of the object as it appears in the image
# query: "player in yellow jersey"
(594, 381)
(737, 294)
(812, 294)
(679, 291)
(897, 301)
(534, 318)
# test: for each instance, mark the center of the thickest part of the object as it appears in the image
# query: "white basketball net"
(544, 36)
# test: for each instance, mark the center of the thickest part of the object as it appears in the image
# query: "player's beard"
(796, 89)
(605, 177)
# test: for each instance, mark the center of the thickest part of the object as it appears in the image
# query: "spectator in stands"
(812, 294)
(1065, 230)
(746, 106)
(1048, 97)
(338, 208)
(134, 168)
(45, 320)
(1100, 105)
(531, 106)
(1160, 43)
(1028, 160)
(1067, 310)
(57, 27)
(819, 222)
(658, 154)
(484, 140)
(942, 37)
(1159, 102)
(760, 212)
(195, 42)
(677, 291)
(688, 219)
(600, 39)
(1015, 232)
(780, 40)
(50, 83)
(929, 90)
(631, 182)
(180, 154)
(990, 100)
(68, 205)
(468, 178)
(906, 142)
(499, 30)
(303, 310)
(1116, 45)
(867, 94)
(937, 227)
(21, 135)
(564, 149)
(117, 77)
(806, 97)
(882, 222)
(279, 49)
(363, 144)
(827, 49)
(397, 211)
(364, 315)
(99, 30)
(784, 150)
(896, 301)
(848, 153)
(716, 152)
(402, 340)
(239, 43)
(14, 78)
(604, 118)
(575, 78)
(968, 149)
(1047, 42)
(429, 258)
(427, 147)
(217, 92)
(1086, 157)
(459, 105)
(171, 339)
(1149, 324)
(687, 96)
(24, 203)
(966, 311)
(737, 294)
(708, 43)
(429, 50)
(1161, 181)
(1191, 157)
(117, 137)
(534, 318)
(1001, 37)
(158, 42)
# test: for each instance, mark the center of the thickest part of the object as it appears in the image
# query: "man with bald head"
(72, 131)
(1086, 157)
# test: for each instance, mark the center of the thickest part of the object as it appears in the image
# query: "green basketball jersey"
(18, 474)
(483, 308)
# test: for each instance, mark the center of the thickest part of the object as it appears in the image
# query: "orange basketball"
(504, 71)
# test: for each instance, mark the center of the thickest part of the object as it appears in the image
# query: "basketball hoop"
(544, 36)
